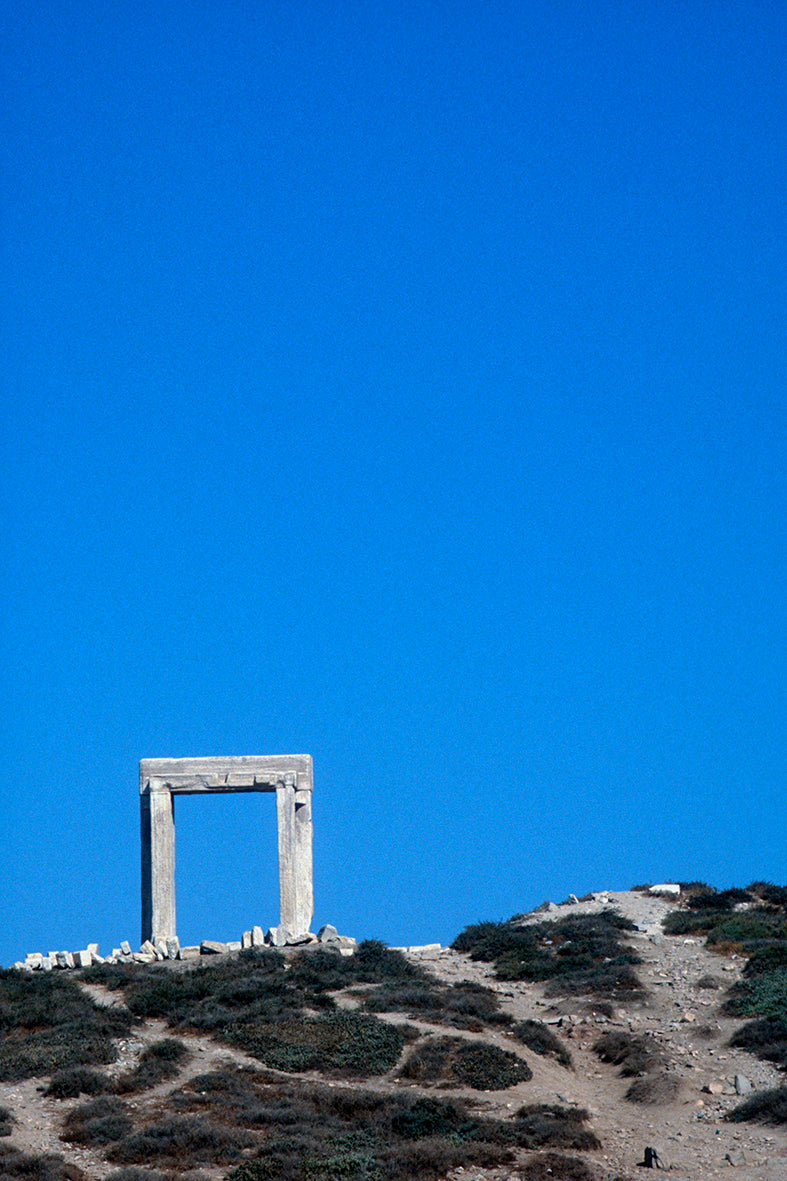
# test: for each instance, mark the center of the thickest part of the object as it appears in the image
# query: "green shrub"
(99, 1122)
(541, 1040)
(763, 995)
(6, 1122)
(747, 927)
(345, 1043)
(766, 1107)
(766, 959)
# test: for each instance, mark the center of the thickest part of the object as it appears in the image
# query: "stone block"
(99, 959)
(147, 948)
(212, 947)
(47, 963)
(125, 947)
(257, 937)
(70, 961)
(189, 953)
(277, 937)
(301, 940)
(143, 957)
(173, 947)
(327, 933)
(61, 959)
(83, 959)
(234, 945)
(93, 949)
(246, 939)
(116, 954)
(34, 959)
(743, 1086)
(160, 949)
(665, 890)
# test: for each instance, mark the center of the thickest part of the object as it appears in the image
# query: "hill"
(567, 1043)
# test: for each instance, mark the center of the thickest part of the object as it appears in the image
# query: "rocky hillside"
(577, 1042)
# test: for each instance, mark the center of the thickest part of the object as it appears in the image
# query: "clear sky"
(402, 384)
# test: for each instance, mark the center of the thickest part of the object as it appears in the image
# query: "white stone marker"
(160, 780)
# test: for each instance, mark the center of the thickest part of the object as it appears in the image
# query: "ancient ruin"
(160, 780)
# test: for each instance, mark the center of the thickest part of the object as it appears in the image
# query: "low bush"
(15, 1164)
(478, 1065)
(553, 1166)
(344, 1044)
(635, 1054)
(766, 1107)
(708, 982)
(547, 1124)
(766, 959)
(579, 953)
(182, 1142)
(763, 995)
(99, 1122)
(766, 1038)
(541, 1040)
(653, 1088)
(77, 1080)
(6, 1122)
(134, 1173)
(464, 1005)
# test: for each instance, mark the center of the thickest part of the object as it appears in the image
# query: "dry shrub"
(767, 1107)
(15, 1164)
(182, 1142)
(635, 1054)
(160, 1062)
(99, 1122)
(77, 1080)
(653, 1088)
(473, 1064)
(541, 1040)
(546, 1124)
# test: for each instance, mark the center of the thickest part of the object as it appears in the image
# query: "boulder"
(212, 947)
(173, 947)
(665, 890)
(125, 947)
(277, 937)
(327, 934)
(246, 939)
(257, 937)
(743, 1086)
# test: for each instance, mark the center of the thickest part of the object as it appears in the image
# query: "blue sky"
(401, 384)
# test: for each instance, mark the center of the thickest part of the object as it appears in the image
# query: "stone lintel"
(241, 773)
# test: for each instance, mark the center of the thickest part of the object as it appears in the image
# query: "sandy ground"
(688, 1132)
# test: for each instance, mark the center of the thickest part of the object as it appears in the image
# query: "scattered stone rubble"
(170, 949)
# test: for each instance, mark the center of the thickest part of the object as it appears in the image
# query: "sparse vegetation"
(47, 1023)
(577, 954)
(182, 1142)
(6, 1122)
(542, 1124)
(159, 1062)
